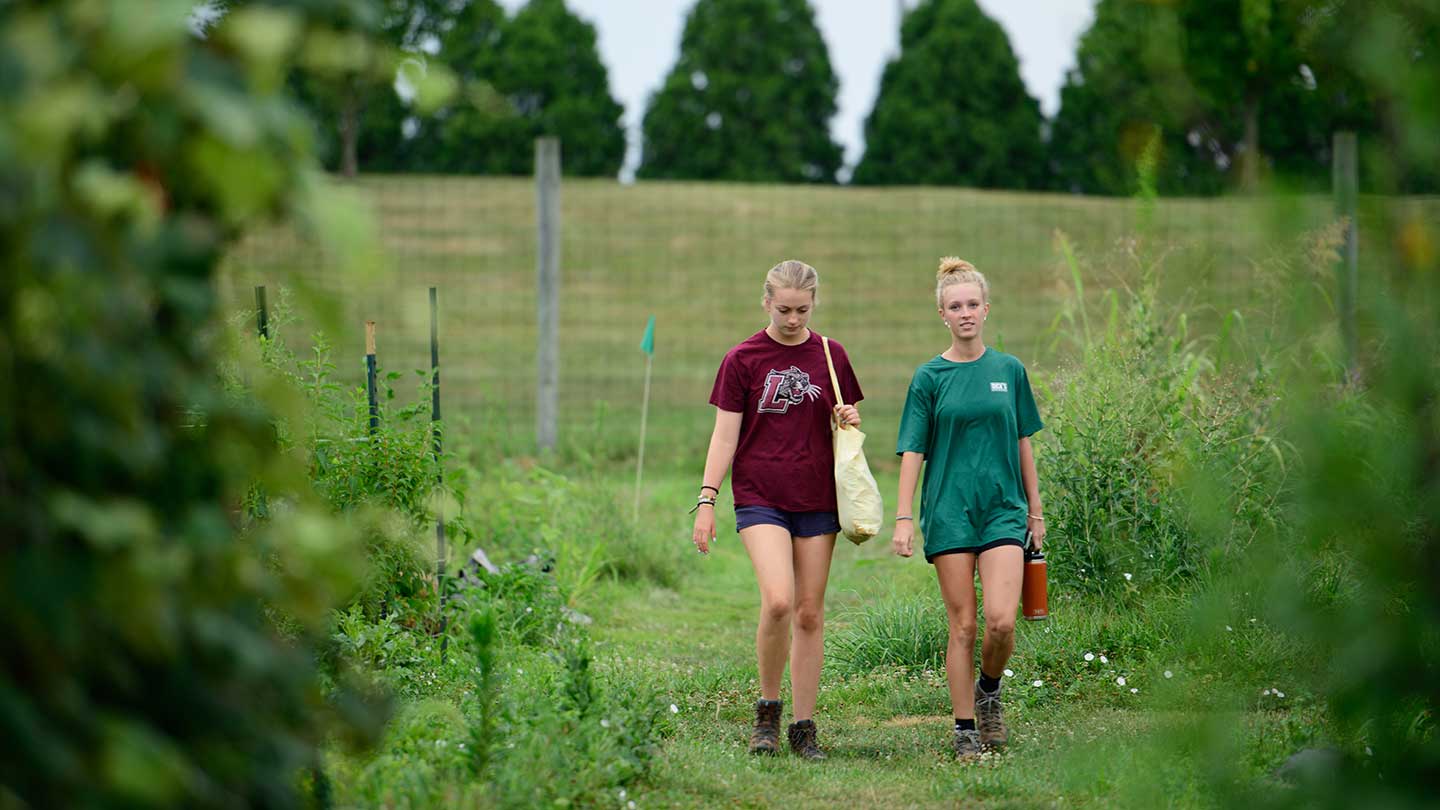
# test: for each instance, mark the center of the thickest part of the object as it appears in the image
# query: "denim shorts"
(799, 524)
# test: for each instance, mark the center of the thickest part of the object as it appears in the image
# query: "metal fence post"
(547, 289)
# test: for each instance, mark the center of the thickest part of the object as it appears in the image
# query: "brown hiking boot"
(967, 745)
(990, 719)
(803, 742)
(766, 737)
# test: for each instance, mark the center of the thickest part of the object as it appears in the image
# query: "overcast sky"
(640, 39)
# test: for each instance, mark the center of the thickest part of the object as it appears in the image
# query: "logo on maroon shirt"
(785, 388)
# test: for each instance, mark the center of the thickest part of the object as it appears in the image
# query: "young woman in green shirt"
(968, 418)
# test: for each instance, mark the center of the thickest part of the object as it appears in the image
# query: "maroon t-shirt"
(784, 459)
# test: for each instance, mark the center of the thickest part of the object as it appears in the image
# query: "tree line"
(1210, 94)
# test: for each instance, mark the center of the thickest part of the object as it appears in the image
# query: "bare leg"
(807, 651)
(957, 587)
(769, 549)
(1001, 572)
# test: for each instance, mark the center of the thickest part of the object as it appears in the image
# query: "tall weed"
(1134, 424)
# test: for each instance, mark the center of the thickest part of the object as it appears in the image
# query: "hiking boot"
(803, 742)
(967, 744)
(766, 737)
(990, 718)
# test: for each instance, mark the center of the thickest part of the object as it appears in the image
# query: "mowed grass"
(694, 256)
(1078, 740)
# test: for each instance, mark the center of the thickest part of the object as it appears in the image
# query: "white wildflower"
(1089, 656)
(1120, 680)
(604, 723)
(1104, 660)
(1128, 576)
(1169, 674)
(1009, 673)
(1038, 684)
(1134, 691)
(674, 709)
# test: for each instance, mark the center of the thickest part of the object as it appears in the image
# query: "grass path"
(887, 735)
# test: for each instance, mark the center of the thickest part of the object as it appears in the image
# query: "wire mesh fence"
(695, 254)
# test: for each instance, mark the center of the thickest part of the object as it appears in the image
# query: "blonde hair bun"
(955, 270)
(954, 264)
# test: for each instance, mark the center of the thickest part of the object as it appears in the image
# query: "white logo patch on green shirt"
(1000, 386)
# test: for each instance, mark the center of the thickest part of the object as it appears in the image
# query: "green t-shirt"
(967, 419)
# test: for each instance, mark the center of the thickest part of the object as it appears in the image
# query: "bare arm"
(903, 540)
(1036, 517)
(723, 441)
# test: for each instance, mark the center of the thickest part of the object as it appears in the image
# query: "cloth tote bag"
(857, 497)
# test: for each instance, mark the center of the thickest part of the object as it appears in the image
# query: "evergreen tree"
(461, 137)
(952, 109)
(538, 74)
(750, 98)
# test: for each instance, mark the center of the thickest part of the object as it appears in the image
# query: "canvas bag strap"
(834, 381)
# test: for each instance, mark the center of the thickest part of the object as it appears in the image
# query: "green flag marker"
(647, 343)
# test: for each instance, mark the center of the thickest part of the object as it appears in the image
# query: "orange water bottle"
(1034, 596)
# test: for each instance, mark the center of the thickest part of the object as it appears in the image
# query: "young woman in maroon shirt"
(774, 410)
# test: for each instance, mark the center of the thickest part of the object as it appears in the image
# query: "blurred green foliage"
(141, 666)
(1241, 92)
